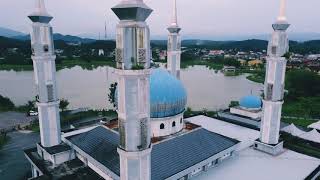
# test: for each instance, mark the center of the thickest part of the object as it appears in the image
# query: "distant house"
(59, 51)
(254, 62)
(242, 62)
(229, 70)
(101, 52)
(216, 53)
(12, 50)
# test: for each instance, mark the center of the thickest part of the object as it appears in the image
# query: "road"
(13, 164)
(13, 119)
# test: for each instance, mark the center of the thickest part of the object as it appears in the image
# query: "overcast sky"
(208, 17)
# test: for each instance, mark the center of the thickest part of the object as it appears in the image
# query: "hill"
(9, 33)
(62, 42)
(57, 36)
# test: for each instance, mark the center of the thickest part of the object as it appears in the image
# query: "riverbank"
(210, 65)
(256, 78)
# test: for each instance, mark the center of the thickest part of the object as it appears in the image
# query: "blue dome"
(251, 102)
(168, 96)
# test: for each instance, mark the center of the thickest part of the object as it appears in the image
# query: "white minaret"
(174, 44)
(275, 80)
(133, 71)
(45, 76)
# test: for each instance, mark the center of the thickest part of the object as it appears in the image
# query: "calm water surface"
(207, 89)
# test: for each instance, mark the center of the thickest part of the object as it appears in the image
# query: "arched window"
(173, 124)
(162, 126)
(181, 121)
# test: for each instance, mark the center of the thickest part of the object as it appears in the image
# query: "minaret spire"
(174, 44)
(174, 16)
(282, 14)
(41, 7)
(40, 14)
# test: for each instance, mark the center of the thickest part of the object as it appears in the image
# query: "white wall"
(168, 129)
(246, 113)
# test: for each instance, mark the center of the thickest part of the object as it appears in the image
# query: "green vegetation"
(298, 122)
(3, 139)
(302, 83)
(233, 104)
(210, 65)
(303, 98)
(63, 105)
(287, 55)
(137, 67)
(304, 107)
(256, 77)
(190, 113)
(300, 145)
(189, 59)
(6, 104)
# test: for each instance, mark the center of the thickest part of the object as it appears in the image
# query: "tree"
(302, 83)
(31, 105)
(6, 104)
(233, 104)
(64, 104)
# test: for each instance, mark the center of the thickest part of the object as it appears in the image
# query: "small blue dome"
(251, 102)
(168, 96)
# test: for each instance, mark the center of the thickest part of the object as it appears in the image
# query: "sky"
(196, 17)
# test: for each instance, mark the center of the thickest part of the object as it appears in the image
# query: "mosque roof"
(167, 158)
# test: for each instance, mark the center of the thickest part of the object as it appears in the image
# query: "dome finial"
(282, 15)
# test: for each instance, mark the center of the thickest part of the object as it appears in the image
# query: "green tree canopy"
(302, 83)
(6, 104)
(64, 104)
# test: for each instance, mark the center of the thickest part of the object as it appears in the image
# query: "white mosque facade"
(150, 139)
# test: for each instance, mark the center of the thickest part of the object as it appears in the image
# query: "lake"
(207, 89)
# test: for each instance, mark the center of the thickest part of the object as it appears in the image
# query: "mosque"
(150, 139)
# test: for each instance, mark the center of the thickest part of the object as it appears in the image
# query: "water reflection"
(207, 89)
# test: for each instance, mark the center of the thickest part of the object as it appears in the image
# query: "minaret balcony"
(132, 11)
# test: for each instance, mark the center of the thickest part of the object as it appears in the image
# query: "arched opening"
(173, 124)
(181, 121)
(162, 126)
